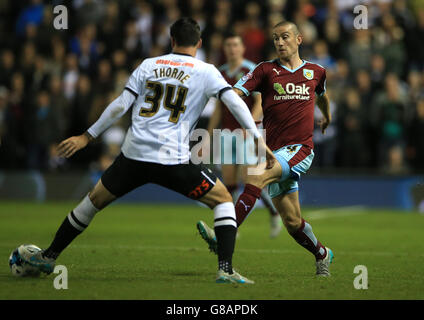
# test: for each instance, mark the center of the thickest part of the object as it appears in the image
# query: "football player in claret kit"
(288, 86)
(167, 95)
(232, 151)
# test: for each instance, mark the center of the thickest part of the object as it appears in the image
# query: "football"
(18, 266)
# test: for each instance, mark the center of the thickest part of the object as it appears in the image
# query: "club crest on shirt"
(292, 149)
(247, 76)
(308, 74)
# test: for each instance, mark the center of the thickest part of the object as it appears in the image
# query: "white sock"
(225, 214)
(82, 215)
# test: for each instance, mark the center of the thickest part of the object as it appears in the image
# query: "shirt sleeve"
(115, 110)
(136, 80)
(321, 87)
(215, 84)
(251, 81)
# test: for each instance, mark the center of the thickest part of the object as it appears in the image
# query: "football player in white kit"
(167, 95)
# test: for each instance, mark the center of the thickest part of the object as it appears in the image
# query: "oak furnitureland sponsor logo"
(291, 91)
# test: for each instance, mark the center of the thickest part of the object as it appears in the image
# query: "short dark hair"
(288, 23)
(231, 34)
(185, 32)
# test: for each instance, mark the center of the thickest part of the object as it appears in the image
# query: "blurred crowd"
(55, 83)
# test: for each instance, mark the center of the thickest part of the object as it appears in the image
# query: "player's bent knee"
(292, 224)
(217, 195)
(255, 180)
(100, 196)
(221, 197)
(262, 179)
(224, 197)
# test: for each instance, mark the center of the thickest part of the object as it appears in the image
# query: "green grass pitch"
(154, 252)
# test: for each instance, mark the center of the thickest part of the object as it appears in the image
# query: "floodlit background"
(362, 195)
(55, 84)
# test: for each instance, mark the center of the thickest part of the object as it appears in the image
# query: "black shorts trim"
(190, 180)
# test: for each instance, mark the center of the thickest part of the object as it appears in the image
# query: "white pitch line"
(335, 212)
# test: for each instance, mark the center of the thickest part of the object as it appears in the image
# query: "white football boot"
(35, 258)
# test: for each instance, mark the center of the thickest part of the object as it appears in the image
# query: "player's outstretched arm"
(215, 118)
(71, 145)
(239, 92)
(323, 103)
(115, 110)
(241, 112)
(257, 107)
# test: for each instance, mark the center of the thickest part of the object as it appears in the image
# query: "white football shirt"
(171, 92)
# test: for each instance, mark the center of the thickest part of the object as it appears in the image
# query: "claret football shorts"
(190, 180)
(295, 160)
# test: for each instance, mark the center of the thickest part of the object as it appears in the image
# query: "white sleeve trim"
(240, 87)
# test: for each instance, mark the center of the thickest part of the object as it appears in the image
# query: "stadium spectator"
(60, 103)
(132, 42)
(364, 86)
(333, 37)
(389, 116)
(104, 79)
(119, 60)
(378, 71)
(395, 162)
(415, 85)
(7, 67)
(44, 130)
(89, 11)
(16, 116)
(389, 41)
(339, 78)
(40, 74)
(55, 63)
(144, 22)
(44, 33)
(86, 48)
(33, 14)
(416, 141)
(81, 105)
(70, 76)
(351, 122)
(13, 140)
(308, 30)
(27, 62)
(253, 35)
(321, 55)
(3, 122)
(416, 48)
(110, 32)
(325, 144)
(360, 50)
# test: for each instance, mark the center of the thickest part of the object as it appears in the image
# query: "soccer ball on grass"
(18, 266)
